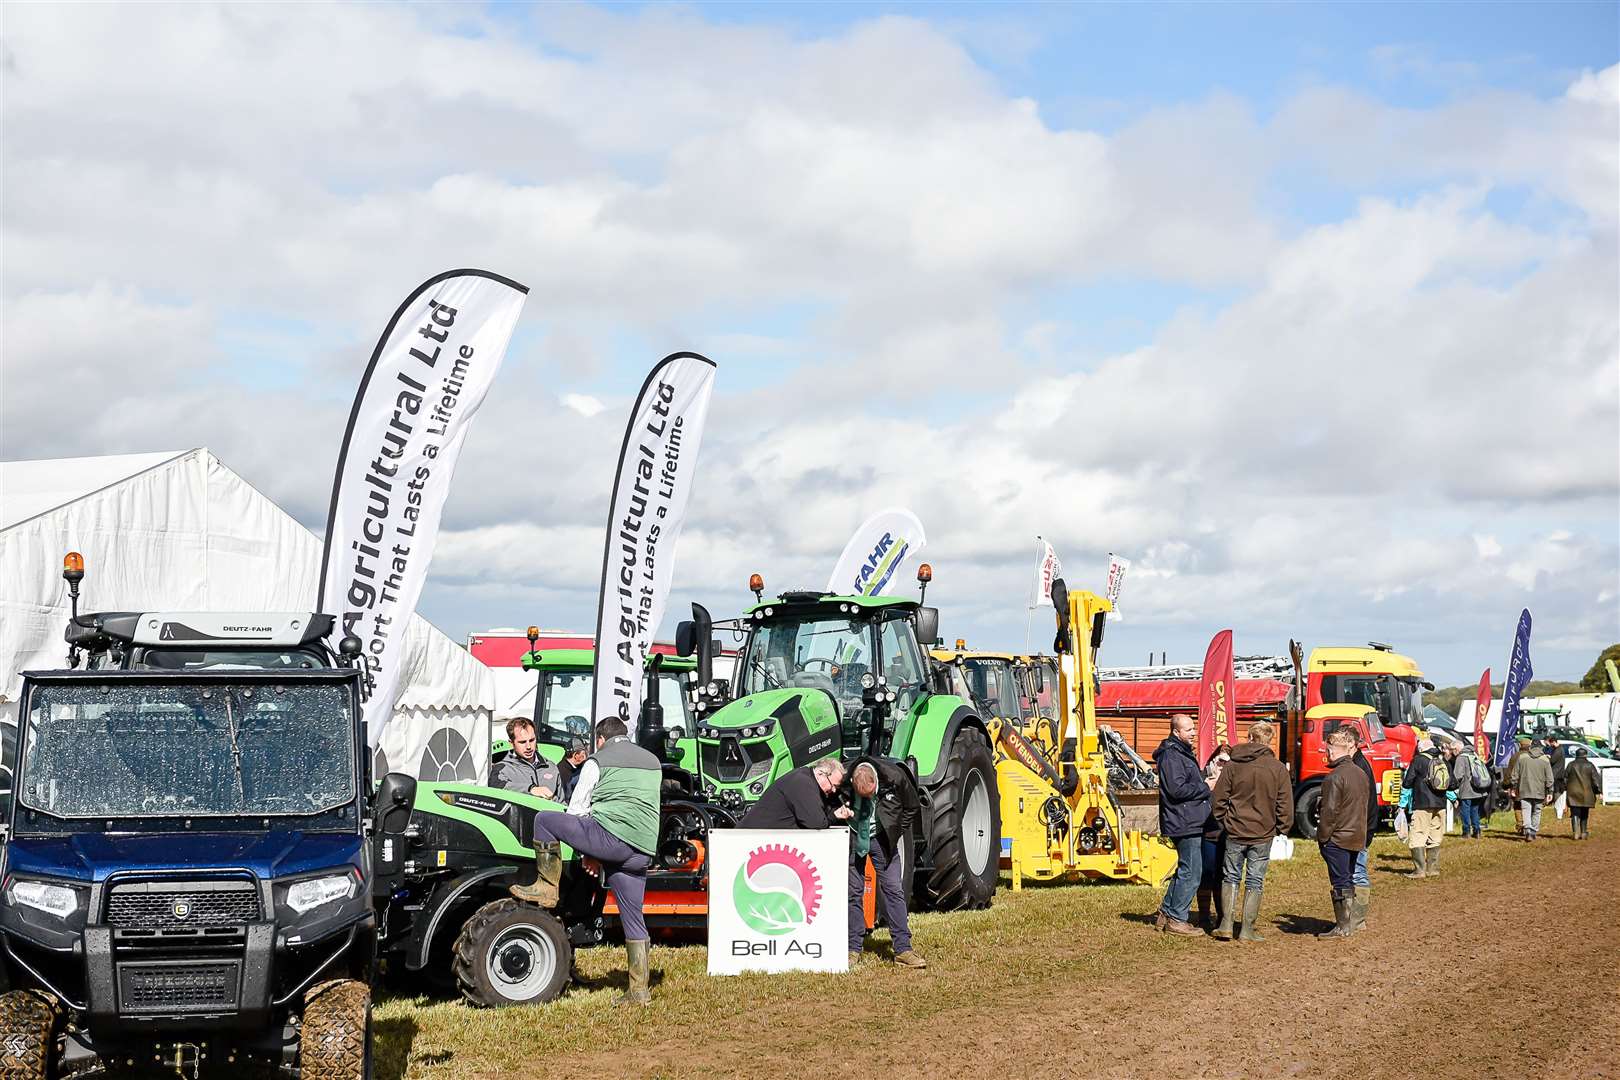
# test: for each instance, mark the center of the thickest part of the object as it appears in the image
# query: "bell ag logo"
(777, 891)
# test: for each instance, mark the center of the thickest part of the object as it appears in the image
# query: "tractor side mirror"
(701, 642)
(685, 638)
(927, 626)
(395, 797)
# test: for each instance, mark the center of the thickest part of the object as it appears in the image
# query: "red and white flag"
(1482, 709)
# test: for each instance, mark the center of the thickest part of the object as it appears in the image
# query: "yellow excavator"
(1060, 820)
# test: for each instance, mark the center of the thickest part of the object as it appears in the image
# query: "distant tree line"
(1595, 681)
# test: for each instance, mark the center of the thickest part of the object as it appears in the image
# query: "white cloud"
(1382, 419)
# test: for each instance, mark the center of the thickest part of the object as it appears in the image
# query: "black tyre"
(1308, 812)
(962, 824)
(512, 954)
(28, 1022)
(334, 1041)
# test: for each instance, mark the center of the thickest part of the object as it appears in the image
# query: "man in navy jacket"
(1183, 809)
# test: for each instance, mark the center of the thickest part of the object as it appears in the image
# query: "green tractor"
(823, 675)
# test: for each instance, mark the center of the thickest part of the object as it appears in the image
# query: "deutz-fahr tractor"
(823, 675)
(186, 877)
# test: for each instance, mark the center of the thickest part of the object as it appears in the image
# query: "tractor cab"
(566, 687)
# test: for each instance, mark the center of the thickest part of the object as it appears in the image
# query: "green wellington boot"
(638, 992)
(1223, 932)
(1434, 862)
(1419, 864)
(1251, 915)
(1341, 916)
(547, 876)
(1358, 907)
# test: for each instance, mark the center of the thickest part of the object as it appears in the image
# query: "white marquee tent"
(182, 532)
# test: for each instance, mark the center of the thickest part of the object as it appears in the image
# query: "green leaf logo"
(770, 912)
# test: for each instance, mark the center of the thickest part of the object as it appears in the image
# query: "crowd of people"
(1224, 818)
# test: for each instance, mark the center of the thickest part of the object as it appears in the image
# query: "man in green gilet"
(612, 820)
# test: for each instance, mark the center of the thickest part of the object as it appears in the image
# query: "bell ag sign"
(777, 900)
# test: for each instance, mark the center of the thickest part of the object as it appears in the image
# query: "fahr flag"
(1482, 708)
(1518, 677)
(656, 466)
(427, 378)
(870, 564)
(1047, 570)
(1215, 697)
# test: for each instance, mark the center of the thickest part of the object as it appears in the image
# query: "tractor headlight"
(868, 681)
(59, 901)
(305, 896)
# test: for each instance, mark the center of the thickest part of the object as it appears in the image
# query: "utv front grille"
(178, 987)
(165, 905)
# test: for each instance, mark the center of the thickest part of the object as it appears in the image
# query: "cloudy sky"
(1311, 311)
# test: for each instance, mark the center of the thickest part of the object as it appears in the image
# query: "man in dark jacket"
(1341, 829)
(1254, 802)
(1359, 877)
(885, 804)
(805, 798)
(1183, 808)
(1582, 786)
(1428, 778)
(1559, 762)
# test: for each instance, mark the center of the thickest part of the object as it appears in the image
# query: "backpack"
(1479, 775)
(1439, 775)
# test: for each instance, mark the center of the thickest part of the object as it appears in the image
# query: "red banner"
(1215, 697)
(1482, 708)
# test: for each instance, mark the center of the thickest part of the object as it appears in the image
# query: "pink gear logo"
(778, 889)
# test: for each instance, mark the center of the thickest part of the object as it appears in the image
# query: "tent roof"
(174, 532)
(30, 488)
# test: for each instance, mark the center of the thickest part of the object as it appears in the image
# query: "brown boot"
(910, 959)
(638, 991)
(548, 876)
(1185, 929)
(1159, 919)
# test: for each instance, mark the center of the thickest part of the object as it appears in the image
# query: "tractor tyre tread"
(951, 886)
(334, 1040)
(28, 1026)
(475, 989)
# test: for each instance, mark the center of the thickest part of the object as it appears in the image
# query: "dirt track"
(1505, 969)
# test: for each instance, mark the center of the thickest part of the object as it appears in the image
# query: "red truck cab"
(1374, 688)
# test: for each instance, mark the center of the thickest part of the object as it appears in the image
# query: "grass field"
(1084, 955)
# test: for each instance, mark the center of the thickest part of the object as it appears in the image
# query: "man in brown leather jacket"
(1342, 829)
(1254, 802)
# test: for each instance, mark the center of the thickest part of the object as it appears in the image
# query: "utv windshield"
(132, 749)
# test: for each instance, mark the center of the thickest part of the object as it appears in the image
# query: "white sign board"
(778, 900)
(1611, 786)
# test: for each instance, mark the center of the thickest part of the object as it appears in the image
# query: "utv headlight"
(306, 896)
(57, 900)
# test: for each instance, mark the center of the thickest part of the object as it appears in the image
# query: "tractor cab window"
(902, 662)
(823, 654)
(566, 710)
(995, 689)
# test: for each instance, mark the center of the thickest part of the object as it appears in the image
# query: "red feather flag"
(1482, 708)
(1215, 697)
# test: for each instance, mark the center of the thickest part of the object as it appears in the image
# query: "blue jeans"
(1246, 863)
(1184, 882)
(1358, 876)
(1469, 810)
